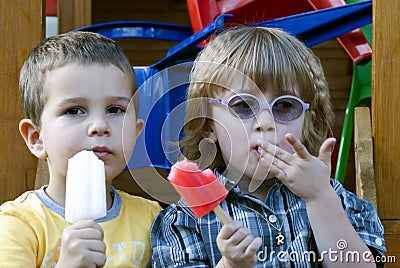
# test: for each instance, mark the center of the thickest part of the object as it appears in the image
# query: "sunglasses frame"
(261, 106)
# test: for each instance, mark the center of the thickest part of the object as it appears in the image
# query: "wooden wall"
(21, 27)
(338, 69)
(385, 124)
(142, 52)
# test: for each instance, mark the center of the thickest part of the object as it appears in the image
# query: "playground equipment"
(253, 11)
(354, 43)
(360, 95)
(162, 86)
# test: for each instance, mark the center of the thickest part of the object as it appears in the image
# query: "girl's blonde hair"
(273, 60)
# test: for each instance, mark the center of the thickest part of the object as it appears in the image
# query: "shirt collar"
(233, 187)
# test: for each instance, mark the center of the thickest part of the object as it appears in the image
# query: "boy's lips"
(102, 152)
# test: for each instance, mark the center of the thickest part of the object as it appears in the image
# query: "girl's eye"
(74, 111)
(115, 110)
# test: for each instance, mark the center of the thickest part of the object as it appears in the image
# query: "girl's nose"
(264, 121)
(99, 126)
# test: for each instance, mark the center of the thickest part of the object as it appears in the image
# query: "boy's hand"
(237, 245)
(82, 245)
(305, 175)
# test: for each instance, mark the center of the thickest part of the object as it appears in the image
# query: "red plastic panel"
(51, 8)
(354, 42)
(203, 12)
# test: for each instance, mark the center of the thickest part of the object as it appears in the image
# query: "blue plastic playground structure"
(162, 86)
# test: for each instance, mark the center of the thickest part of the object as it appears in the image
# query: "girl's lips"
(255, 149)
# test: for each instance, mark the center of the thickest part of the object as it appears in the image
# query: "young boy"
(260, 96)
(78, 91)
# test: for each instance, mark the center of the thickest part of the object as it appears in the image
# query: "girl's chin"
(265, 178)
(261, 175)
(255, 176)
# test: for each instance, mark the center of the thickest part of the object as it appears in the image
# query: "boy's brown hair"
(54, 52)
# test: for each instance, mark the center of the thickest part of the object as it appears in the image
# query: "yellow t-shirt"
(31, 227)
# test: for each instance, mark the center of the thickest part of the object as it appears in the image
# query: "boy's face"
(239, 139)
(88, 108)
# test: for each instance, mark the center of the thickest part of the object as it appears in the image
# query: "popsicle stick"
(221, 214)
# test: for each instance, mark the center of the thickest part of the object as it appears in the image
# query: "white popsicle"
(85, 193)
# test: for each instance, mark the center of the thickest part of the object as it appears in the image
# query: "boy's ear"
(139, 127)
(210, 133)
(32, 137)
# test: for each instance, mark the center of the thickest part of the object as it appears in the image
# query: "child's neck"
(259, 193)
(247, 185)
(56, 192)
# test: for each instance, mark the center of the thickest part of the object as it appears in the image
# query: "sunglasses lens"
(243, 106)
(287, 109)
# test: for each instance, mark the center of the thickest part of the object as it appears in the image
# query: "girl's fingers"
(297, 146)
(325, 152)
(229, 229)
(275, 152)
(275, 166)
(273, 161)
(239, 236)
(253, 247)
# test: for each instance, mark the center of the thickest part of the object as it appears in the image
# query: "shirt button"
(272, 218)
(378, 241)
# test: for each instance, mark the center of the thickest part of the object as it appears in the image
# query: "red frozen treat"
(201, 190)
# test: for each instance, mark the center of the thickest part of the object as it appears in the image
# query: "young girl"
(260, 97)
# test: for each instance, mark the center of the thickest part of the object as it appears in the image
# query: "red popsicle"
(201, 190)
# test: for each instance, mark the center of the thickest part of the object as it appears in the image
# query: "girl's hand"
(82, 245)
(237, 245)
(305, 175)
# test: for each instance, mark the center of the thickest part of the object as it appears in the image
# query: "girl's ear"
(313, 116)
(209, 132)
(32, 138)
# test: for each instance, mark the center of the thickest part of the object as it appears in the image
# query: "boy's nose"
(264, 121)
(99, 126)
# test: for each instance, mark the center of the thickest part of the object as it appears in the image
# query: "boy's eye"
(115, 110)
(74, 111)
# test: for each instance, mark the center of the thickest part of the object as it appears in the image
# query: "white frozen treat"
(85, 193)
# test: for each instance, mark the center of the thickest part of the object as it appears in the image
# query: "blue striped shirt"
(179, 239)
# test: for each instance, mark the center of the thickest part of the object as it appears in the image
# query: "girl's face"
(239, 139)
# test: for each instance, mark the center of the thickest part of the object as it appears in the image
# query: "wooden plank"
(392, 240)
(363, 148)
(171, 11)
(42, 174)
(73, 14)
(22, 28)
(385, 105)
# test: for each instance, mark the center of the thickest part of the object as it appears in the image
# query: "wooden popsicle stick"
(221, 214)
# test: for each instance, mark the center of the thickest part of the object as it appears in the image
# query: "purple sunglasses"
(245, 106)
